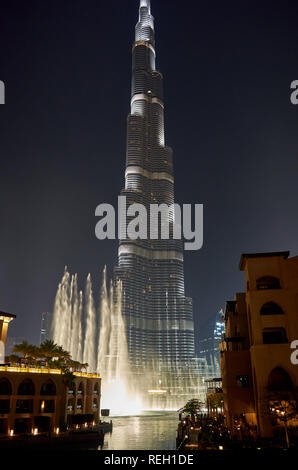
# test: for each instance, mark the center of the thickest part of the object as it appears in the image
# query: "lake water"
(150, 431)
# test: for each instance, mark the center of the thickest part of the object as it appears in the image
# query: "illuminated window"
(47, 406)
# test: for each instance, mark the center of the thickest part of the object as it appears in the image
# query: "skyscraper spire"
(145, 25)
(146, 4)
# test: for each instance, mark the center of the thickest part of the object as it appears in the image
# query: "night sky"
(66, 65)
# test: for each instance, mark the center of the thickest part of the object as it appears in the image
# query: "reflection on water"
(149, 431)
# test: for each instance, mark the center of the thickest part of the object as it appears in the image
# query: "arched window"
(95, 405)
(279, 380)
(271, 308)
(96, 389)
(5, 387)
(79, 404)
(48, 388)
(268, 282)
(274, 336)
(26, 388)
(81, 389)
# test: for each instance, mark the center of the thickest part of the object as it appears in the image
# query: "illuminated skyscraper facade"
(158, 315)
(45, 326)
(209, 346)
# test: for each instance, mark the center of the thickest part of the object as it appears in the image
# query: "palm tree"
(33, 355)
(26, 349)
(62, 354)
(48, 350)
(51, 353)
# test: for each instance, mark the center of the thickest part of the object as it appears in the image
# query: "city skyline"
(236, 126)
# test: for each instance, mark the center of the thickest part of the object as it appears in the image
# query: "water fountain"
(96, 337)
(118, 393)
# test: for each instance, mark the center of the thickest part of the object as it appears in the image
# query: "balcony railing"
(40, 370)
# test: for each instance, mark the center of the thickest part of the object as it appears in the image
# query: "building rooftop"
(7, 315)
(244, 256)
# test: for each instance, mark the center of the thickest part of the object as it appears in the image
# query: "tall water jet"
(79, 334)
(104, 327)
(119, 363)
(76, 341)
(61, 325)
(75, 317)
(75, 327)
(113, 362)
(89, 355)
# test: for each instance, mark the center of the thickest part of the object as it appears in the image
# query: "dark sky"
(227, 66)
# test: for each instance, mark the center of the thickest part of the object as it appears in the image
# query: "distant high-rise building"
(218, 334)
(45, 326)
(209, 346)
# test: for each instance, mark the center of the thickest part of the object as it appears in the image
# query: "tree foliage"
(193, 407)
(283, 406)
(48, 353)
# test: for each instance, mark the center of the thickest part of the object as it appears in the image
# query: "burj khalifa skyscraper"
(158, 315)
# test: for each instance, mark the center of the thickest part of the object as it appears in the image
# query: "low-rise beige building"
(38, 400)
(35, 400)
(255, 354)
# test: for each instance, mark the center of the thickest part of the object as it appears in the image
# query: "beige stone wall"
(266, 357)
(259, 359)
